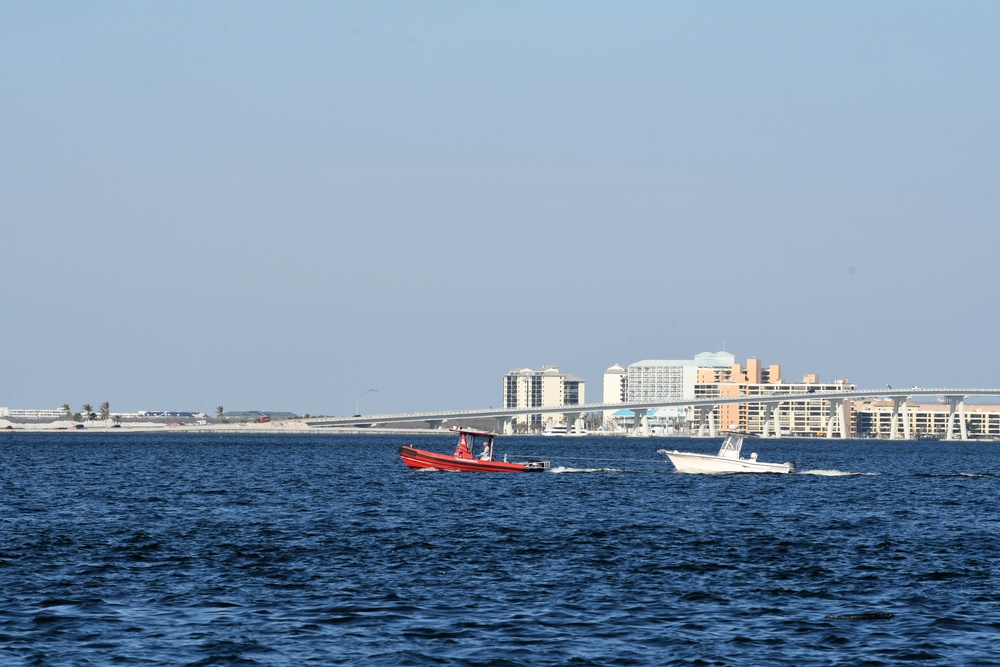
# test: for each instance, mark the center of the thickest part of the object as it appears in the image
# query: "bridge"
(836, 419)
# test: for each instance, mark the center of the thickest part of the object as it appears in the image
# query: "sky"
(287, 205)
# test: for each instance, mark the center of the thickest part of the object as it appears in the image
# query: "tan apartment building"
(544, 388)
(873, 419)
(800, 418)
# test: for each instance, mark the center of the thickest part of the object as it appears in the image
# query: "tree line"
(87, 413)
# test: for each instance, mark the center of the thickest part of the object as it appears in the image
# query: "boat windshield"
(731, 446)
(474, 445)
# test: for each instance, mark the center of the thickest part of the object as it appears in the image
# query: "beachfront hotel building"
(34, 414)
(671, 380)
(800, 418)
(712, 375)
(657, 380)
(873, 419)
(544, 388)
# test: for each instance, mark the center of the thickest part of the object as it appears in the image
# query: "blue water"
(296, 550)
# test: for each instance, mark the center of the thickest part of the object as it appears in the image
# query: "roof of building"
(545, 370)
(655, 412)
(245, 414)
(721, 358)
(702, 359)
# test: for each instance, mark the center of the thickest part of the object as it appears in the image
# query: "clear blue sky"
(280, 206)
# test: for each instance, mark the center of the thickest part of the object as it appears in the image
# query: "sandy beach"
(277, 427)
(134, 427)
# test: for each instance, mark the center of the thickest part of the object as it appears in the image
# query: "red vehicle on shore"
(466, 457)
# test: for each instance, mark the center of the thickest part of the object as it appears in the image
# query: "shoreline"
(288, 427)
(298, 427)
(292, 427)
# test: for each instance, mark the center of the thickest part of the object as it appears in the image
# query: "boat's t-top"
(732, 445)
(467, 443)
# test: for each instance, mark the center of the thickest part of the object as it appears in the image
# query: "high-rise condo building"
(801, 418)
(615, 387)
(670, 380)
(528, 388)
(715, 374)
(659, 380)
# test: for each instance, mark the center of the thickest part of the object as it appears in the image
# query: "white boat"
(726, 461)
(562, 429)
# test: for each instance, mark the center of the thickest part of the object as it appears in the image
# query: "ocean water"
(296, 550)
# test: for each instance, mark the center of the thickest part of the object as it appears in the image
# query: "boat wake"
(955, 474)
(834, 473)
(561, 469)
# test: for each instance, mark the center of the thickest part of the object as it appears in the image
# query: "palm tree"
(117, 419)
(67, 411)
(220, 413)
(105, 410)
(87, 411)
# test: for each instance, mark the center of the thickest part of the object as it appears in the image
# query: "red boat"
(474, 453)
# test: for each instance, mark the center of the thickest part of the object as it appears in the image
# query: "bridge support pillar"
(706, 414)
(505, 425)
(897, 402)
(571, 419)
(837, 418)
(772, 420)
(956, 410)
(640, 421)
(435, 423)
(845, 428)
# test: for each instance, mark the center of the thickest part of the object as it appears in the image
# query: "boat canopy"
(467, 449)
(731, 446)
(472, 431)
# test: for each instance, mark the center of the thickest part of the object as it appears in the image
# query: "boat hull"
(706, 464)
(420, 459)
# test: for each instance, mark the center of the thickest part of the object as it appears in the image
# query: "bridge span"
(836, 420)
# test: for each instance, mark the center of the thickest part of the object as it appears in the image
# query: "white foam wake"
(561, 469)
